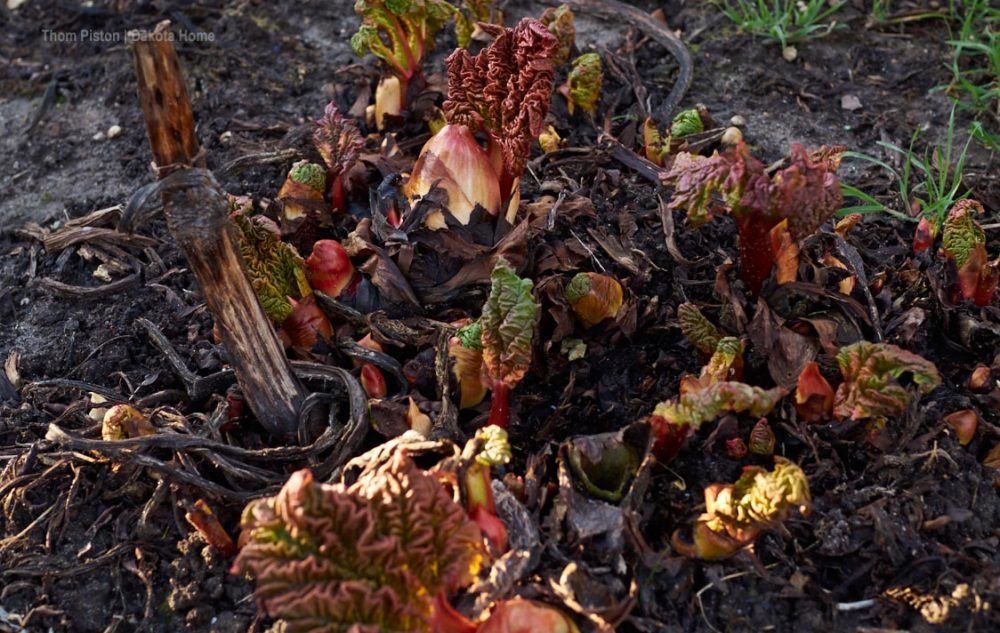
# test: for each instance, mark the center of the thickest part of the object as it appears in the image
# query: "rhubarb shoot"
(594, 297)
(504, 92)
(871, 386)
(508, 329)
(806, 193)
(583, 85)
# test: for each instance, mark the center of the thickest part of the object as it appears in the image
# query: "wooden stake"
(197, 214)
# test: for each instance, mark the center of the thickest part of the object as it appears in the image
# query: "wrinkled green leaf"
(698, 329)
(276, 270)
(508, 325)
(694, 409)
(871, 385)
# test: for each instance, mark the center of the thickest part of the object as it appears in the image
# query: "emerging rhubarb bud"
(373, 381)
(964, 243)
(549, 140)
(527, 616)
(508, 329)
(330, 270)
(454, 161)
(813, 395)
(964, 424)
(981, 379)
(871, 387)
(124, 421)
(201, 517)
(925, 235)
(305, 325)
(736, 514)
(338, 141)
(389, 100)
(559, 22)
(736, 449)
(583, 85)
(466, 350)
(304, 186)
(594, 297)
(494, 450)
(762, 438)
(688, 122)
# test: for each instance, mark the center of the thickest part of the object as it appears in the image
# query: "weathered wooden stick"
(197, 215)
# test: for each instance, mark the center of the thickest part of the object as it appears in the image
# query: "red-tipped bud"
(813, 395)
(330, 270)
(736, 448)
(306, 324)
(964, 424)
(762, 438)
(454, 161)
(669, 437)
(373, 381)
(201, 517)
(925, 235)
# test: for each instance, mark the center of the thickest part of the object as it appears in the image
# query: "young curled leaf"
(276, 270)
(871, 385)
(559, 22)
(694, 179)
(508, 325)
(594, 297)
(584, 83)
(736, 448)
(962, 234)
(697, 329)
(687, 122)
(504, 92)
(338, 141)
(369, 556)
(549, 140)
(736, 514)
(964, 423)
(508, 328)
(674, 420)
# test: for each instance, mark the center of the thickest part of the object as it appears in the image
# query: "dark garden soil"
(904, 532)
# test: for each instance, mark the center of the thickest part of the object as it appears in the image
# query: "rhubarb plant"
(736, 514)
(504, 92)
(508, 329)
(583, 84)
(383, 554)
(559, 22)
(806, 194)
(398, 32)
(871, 387)
(594, 297)
(276, 270)
(699, 330)
(964, 244)
(674, 420)
(339, 143)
